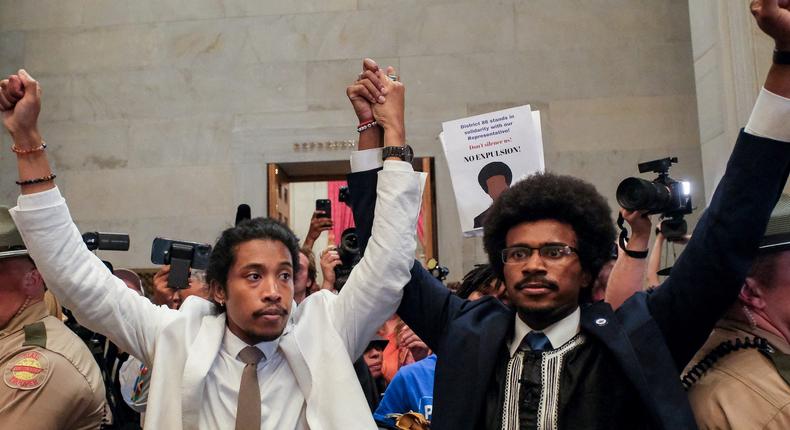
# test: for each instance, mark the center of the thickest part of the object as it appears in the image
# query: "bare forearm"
(394, 137)
(654, 262)
(778, 80)
(626, 279)
(371, 138)
(32, 165)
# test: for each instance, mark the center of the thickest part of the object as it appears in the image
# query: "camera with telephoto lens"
(663, 195)
(349, 253)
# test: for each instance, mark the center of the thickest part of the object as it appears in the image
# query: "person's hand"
(366, 91)
(162, 294)
(389, 114)
(319, 223)
(329, 260)
(20, 103)
(773, 18)
(408, 340)
(641, 224)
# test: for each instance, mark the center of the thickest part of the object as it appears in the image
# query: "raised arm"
(422, 289)
(708, 275)
(78, 278)
(628, 273)
(654, 261)
(374, 288)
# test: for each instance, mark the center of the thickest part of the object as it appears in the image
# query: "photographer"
(174, 297)
(305, 281)
(244, 360)
(330, 259)
(319, 223)
(628, 273)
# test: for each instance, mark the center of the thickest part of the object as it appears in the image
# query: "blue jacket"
(410, 390)
(652, 336)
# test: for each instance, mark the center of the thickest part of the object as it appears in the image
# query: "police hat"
(11, 244)
(777, 234)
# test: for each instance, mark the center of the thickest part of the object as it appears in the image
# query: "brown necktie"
(248, 410)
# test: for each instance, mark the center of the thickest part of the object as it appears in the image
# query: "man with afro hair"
(553, 360)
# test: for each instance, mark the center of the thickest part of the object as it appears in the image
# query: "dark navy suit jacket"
(652, 335)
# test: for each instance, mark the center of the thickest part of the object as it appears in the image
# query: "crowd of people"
(553, 331)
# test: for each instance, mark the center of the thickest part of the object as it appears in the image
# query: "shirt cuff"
(366, 159)
(398, 165)
(42, 200)
(769, 117)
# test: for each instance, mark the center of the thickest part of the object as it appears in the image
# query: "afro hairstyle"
(496, 168)
(557, 197)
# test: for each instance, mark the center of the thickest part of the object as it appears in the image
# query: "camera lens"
(639, 194)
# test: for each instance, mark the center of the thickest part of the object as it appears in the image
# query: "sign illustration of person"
(494, 178)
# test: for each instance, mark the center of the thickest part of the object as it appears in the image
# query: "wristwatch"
(403, 152)
(781, 57)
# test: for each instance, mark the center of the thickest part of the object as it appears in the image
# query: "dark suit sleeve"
(707, 277)
(362, 196)
(427, 306)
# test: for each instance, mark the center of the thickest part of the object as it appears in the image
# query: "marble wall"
(731, 59)
(161, 115)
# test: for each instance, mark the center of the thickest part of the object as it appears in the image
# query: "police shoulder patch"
(27, 370)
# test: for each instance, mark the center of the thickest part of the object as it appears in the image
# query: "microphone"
(243, 212)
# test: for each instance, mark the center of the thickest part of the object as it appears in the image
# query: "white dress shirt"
(282, 403)
(558, 333)
(769, 117)
(366, 159)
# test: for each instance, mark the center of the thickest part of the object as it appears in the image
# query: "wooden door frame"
(423, 164)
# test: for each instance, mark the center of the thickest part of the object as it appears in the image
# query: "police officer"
(50, 379)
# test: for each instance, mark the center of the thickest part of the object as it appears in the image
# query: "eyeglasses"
(551, 252)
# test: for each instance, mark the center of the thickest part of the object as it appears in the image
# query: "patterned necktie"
(248, 410)
(535, 341)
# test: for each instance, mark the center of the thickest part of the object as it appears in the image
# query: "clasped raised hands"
(375, 95)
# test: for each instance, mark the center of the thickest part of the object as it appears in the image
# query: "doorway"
(293, 188)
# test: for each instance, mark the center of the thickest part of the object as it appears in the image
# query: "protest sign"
(486, 154)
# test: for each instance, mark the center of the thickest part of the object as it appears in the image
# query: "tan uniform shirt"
(743, 389)
(57, 387)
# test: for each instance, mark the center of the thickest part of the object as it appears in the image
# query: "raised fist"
(20, 103)
(773, 18)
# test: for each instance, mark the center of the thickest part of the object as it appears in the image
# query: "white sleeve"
(375, 287)
(366, 159)
(81, 282)
(770, 117)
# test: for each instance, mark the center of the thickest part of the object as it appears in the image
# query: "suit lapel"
(200, 356)
(297, 362)
(599, 321)
(493, 337)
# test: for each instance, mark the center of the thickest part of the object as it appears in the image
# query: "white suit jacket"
(327, 332)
